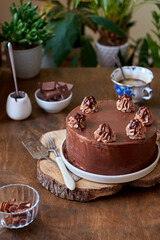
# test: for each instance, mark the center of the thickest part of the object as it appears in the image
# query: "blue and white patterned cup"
(138, 90)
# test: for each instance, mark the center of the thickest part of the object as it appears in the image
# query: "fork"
(70, 183)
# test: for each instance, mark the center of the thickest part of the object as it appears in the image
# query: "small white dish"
(109, 179)
(55, 106)
(18, 108)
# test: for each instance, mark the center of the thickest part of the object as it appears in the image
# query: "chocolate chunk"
(51, 94)
(69, 85)
(51, 91)
(45, 86)
(63, 90)
(41, 96)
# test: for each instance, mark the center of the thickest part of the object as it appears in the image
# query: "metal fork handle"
(55, 152)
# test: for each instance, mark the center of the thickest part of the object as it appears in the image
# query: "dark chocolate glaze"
(121, 157)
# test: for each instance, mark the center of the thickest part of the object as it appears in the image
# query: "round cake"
(122, 156)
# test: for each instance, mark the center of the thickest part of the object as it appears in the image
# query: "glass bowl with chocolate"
(54, 97)
(18, 205)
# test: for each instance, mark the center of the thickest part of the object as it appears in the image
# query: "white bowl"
(53, 107)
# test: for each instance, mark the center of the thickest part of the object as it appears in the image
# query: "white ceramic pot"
(47, 60)
(28, 62)
(20, 108)
(106, 54)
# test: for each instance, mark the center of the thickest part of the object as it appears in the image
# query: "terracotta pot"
(106, 54)
(28, 62)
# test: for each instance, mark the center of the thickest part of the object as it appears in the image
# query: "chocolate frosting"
(125, 103)
(104, 134)
(121, 157)
(77, 120)
(89, 105)
(135, 129)
(144, 115)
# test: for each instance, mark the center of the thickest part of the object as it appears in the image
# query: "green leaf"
(74, 61)
(66, 34)
(109, 25)
(154, 51)
(155, 16)
(104, 4)
(143, 55)
(77, 3)
(88, 55)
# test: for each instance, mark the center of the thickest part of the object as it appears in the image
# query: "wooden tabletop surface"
(133, 213)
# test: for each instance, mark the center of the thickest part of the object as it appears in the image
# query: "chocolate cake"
(120, 156)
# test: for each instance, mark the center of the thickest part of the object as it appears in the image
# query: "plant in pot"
(27, 31)
(70, 41)
(114, 19)
(149, 47)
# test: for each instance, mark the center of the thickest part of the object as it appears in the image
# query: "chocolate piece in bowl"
(41, 96)
(63, 91)
(46, 86)
(69, 85)
(52, 91)
(52, 94)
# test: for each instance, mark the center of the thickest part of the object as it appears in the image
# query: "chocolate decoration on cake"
(77, 120)
(89, 105)
(144, 115)
(135, 130)
(125, 103)
(123, 156)
(104, 134)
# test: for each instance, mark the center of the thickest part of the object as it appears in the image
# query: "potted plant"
(149, 48)
(113, 18)
(69, 21)
(27, 31)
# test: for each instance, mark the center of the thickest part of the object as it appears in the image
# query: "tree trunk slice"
(50, 177)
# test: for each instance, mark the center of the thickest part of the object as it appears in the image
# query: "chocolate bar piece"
(63, 90)
(41, 96)
(51, 91)
(46, 86)
(50, 94)
(69, 85)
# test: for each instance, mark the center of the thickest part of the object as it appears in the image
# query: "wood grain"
(132, 213)
(50, 177)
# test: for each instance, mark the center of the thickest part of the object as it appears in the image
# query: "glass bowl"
(23, 216)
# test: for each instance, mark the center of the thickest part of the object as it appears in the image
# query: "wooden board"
(50, 177)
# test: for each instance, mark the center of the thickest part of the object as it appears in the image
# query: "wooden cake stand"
(50, 177)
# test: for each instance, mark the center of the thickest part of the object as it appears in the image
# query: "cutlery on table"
(39, 151)
(49, 143)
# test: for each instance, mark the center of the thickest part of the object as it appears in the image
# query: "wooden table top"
(133, 213)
